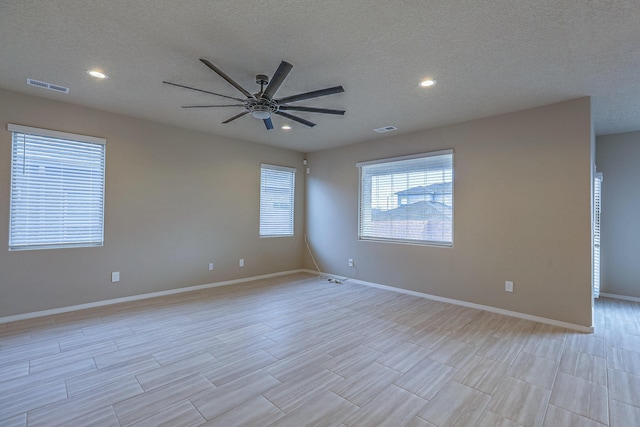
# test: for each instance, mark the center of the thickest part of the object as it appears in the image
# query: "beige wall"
(522, 213)
(618, 158)
(175, 201)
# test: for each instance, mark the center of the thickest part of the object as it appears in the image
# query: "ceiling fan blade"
(268, 123)
(209, 106)
(203, 91)
(312, 110)
(222, 74)
(235, 117)
(281, 73)
(309, 95)
(296, 118)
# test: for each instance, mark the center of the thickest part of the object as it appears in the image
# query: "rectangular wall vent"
(385, 129)
(45, 85)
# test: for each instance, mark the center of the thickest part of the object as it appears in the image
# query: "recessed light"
(427, 82)
(385, 129)
(97, 74)
(285, 127)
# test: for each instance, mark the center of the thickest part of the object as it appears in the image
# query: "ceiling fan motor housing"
(261, 109)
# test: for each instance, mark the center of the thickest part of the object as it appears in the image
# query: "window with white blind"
(597, 207)
(57, 189)
(277, 187)
(408, 199)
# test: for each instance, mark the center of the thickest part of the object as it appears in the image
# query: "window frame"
(292, 195)
(95, 239)
(366, 238)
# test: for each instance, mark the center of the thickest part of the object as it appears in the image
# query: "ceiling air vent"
(45, 85)
(386, 129)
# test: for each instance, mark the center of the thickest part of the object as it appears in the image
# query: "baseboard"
(580, 328)
(67, 309)
(616, 296)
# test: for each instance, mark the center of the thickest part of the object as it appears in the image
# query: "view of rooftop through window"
(408, 200)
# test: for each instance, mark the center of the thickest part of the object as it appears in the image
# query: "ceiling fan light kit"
(262, 105)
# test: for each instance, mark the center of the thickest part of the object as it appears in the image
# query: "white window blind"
(57, 189)
(408, 199)
(597, 204)
(277, 188)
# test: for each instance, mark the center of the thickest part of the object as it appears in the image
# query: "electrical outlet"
(115, 276)
(350, 262)
(210, 266)
(241, 263)
(508, 286)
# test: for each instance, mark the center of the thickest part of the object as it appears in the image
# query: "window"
(597, 208)
(57, 189)
(277, 185)
(408, 199)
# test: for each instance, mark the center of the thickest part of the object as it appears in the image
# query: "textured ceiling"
(489, 57)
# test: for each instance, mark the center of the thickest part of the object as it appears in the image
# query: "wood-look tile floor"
(297, 351)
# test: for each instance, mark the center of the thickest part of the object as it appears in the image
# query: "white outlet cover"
(210, 266)
(241, 263)
(508, 286)
(115, 276)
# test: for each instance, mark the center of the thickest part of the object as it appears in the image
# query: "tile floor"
(296, 351)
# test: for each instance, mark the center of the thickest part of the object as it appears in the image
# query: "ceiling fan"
(262, 104)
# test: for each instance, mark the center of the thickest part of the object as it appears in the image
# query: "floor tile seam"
(556, 360)
(620, 370)
(164, 384)
(264, 397)
(326, 390)
(196, 396)
(553, 383)
(400, 374)
(608, 423)
(611, 399)
(31, 342)
(324, 371)
(338, 374)
(548, 394)
(204, 373)
(153, 414)
(40, 383)
(509, 365)
(637, 377)
(414, 394)
(370, 399)
(591, 383)
(213, 387)
(444, 363)
(18, 355)
(47, 404)
(434, 348)
(85, 357)
(555, 374)
(59, 381)
(476, 389)
(392, 368)
(90, 343)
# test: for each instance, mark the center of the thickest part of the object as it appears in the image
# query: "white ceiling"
(489, 57)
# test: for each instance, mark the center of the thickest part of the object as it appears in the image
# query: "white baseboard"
(588, 329)
(580, 328)
(622, 297)
(67, 309)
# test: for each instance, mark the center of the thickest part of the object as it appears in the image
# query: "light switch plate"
(508, 286)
